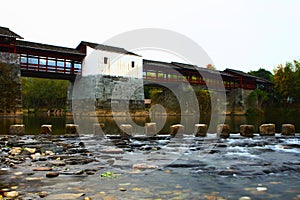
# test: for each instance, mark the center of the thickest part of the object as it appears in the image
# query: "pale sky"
(237, 34)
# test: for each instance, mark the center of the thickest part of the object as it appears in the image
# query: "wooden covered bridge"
(55, 62)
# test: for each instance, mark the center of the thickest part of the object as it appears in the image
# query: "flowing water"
(149, 168)
(33, 123)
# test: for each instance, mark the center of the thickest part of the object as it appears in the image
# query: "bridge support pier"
(10, 84)
(69, 98)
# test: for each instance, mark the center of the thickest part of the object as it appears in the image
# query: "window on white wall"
(132, 64)
(105, 60)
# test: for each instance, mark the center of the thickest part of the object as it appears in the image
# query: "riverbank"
(70, 167)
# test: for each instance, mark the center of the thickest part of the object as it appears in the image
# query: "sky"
(239, 34)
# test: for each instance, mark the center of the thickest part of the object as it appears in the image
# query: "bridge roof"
(262, 80)
(239, 73)
(161, 64)
(47, 50)
(186, 67)
(105, 48)
(5, 32)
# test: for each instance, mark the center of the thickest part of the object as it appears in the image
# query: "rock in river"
(12, 194)
(52, 174)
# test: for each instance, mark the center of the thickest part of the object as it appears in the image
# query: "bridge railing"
(49, 65)
(171, 78)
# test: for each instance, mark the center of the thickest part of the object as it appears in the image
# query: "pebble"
(260, 189)
(12, 194)
(65, 196)
(30, 150)
(52, 174)
(56, 163)
(43, 194)
(42, 169)
(122, 189)
(245, 198)
(34, 178)
(15, 151)
(109, 198)
(144, 166)
(112, 151)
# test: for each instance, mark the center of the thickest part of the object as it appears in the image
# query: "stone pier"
(200, 130)
(267, 129)
(176, 130)
(223, 131)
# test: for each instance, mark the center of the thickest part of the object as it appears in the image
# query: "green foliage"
(262, 73)
(210, 66)
(254, 112)
(257, 98)
(176, 105)
(108, 175)
(287, 81)
(44, 93)
(203, 97)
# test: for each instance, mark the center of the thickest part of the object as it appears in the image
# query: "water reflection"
(33, 123)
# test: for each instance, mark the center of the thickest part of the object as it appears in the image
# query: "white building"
(112, 61)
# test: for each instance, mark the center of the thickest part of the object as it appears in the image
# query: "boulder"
(17, 129)
(12, 194)
(287, 129)
(46, 129)
(143, 166)
(150, 129)
(246, 130)
(200, 130)
(223, 130)
(176, 130)
(267, 129)
(15, 151)
(42, 169)
(52, 174)
(72, 129)
(126, 130)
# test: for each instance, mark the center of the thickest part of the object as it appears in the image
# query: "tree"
(255, 102)
(210, 66)
(286, 81)
(44, 93)
(262, 73)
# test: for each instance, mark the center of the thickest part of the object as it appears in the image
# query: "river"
(33, 123)
(146, 168)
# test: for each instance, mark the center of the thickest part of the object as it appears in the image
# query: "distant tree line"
(44, 94)
(286, 80)
(287, 83)
(52, 94)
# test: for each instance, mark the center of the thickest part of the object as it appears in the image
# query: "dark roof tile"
(8, 33)
(46, 47)
(106, 48)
